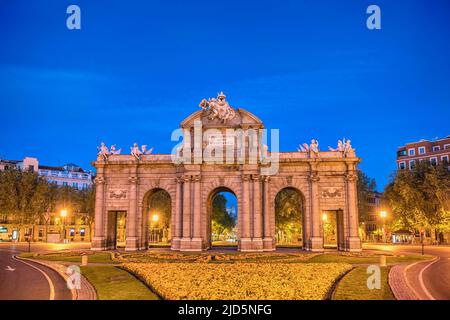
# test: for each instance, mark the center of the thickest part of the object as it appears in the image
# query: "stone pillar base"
(315, 244)
(251, 245)
(353, 244)
(188, 244)
(131, 244)
(98, 244)
(175, 244)
(268, 244)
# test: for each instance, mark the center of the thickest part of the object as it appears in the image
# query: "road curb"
(86, 292)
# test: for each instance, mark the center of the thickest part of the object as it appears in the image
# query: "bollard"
(382, 261)
(84, 259)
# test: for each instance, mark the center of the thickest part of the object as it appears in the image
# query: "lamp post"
(383, 215)
(63, 214)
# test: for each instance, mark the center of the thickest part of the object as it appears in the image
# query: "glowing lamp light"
(63, 213)
(155, 218)
(324, 217)
(383, 214)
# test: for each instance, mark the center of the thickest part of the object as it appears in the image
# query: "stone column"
(268, 238)
(257, 243)
(245, 241)
(186, 239)
(178, 219)
(131, 241)
(99, 238)
(316, 242)
(353, 240)
(196, 242)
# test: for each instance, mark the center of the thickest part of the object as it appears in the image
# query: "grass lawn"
(113, 283)
(99, 257)
(373, 259)
(354, 286)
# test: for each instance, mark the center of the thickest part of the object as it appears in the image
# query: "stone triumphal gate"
(326, 182)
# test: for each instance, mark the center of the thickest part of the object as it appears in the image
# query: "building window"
(436, 148)
(82, 232)
(433, 161)
(72, 232)
(402, 165)
(401, 153)
(444, 158)
(75, 185)
(421, 150)
(41, 233)
(412, 152)
(64, 184)
(412, 164)
(446, 146)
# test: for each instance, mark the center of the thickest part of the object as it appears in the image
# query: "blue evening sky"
(136, 69)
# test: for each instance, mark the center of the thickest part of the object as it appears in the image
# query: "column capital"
(197, 178)
(265, 178)
(99, 180)
(255, 177)
(187, 178)
(351, 176)
(314, 176)
(246, 177)
(179, 180)
(133, 179)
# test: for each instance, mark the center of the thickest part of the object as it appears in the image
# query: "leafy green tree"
(222, 223)
(419, 198)
(288, 215)
(160, 203)
(365, 186)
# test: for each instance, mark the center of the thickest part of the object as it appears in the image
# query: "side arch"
(148, 191)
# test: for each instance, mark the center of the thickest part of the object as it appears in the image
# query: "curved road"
(430, 280)
(24, 280)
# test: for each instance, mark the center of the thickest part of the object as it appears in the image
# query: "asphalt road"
(430, 280)
(24, 280)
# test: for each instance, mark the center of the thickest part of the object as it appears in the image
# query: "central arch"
(290, 218)
(223, 213)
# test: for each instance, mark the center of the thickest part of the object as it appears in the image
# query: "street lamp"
(63, 214)
(383, 215)
(155, 219)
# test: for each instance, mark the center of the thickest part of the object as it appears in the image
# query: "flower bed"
(236, 281)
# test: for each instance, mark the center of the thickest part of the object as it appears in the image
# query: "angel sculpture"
(103, 151)
(303, 147)
(348, 148)
(340, 146)
(114, 151)
(135, 151)
(145, 151)
(314, 148)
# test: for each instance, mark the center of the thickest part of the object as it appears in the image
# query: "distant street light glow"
(155, 218)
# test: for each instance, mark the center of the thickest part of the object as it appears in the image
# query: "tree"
(419, 198)
(160, 203)
(23, 195)
(221, 221)
(365, 186)
(288, 214)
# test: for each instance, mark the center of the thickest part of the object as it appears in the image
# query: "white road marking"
(429, 295)
(422, 284)
(9, 269)
(50, 283)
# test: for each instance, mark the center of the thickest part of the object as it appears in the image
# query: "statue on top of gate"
(218, 108)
